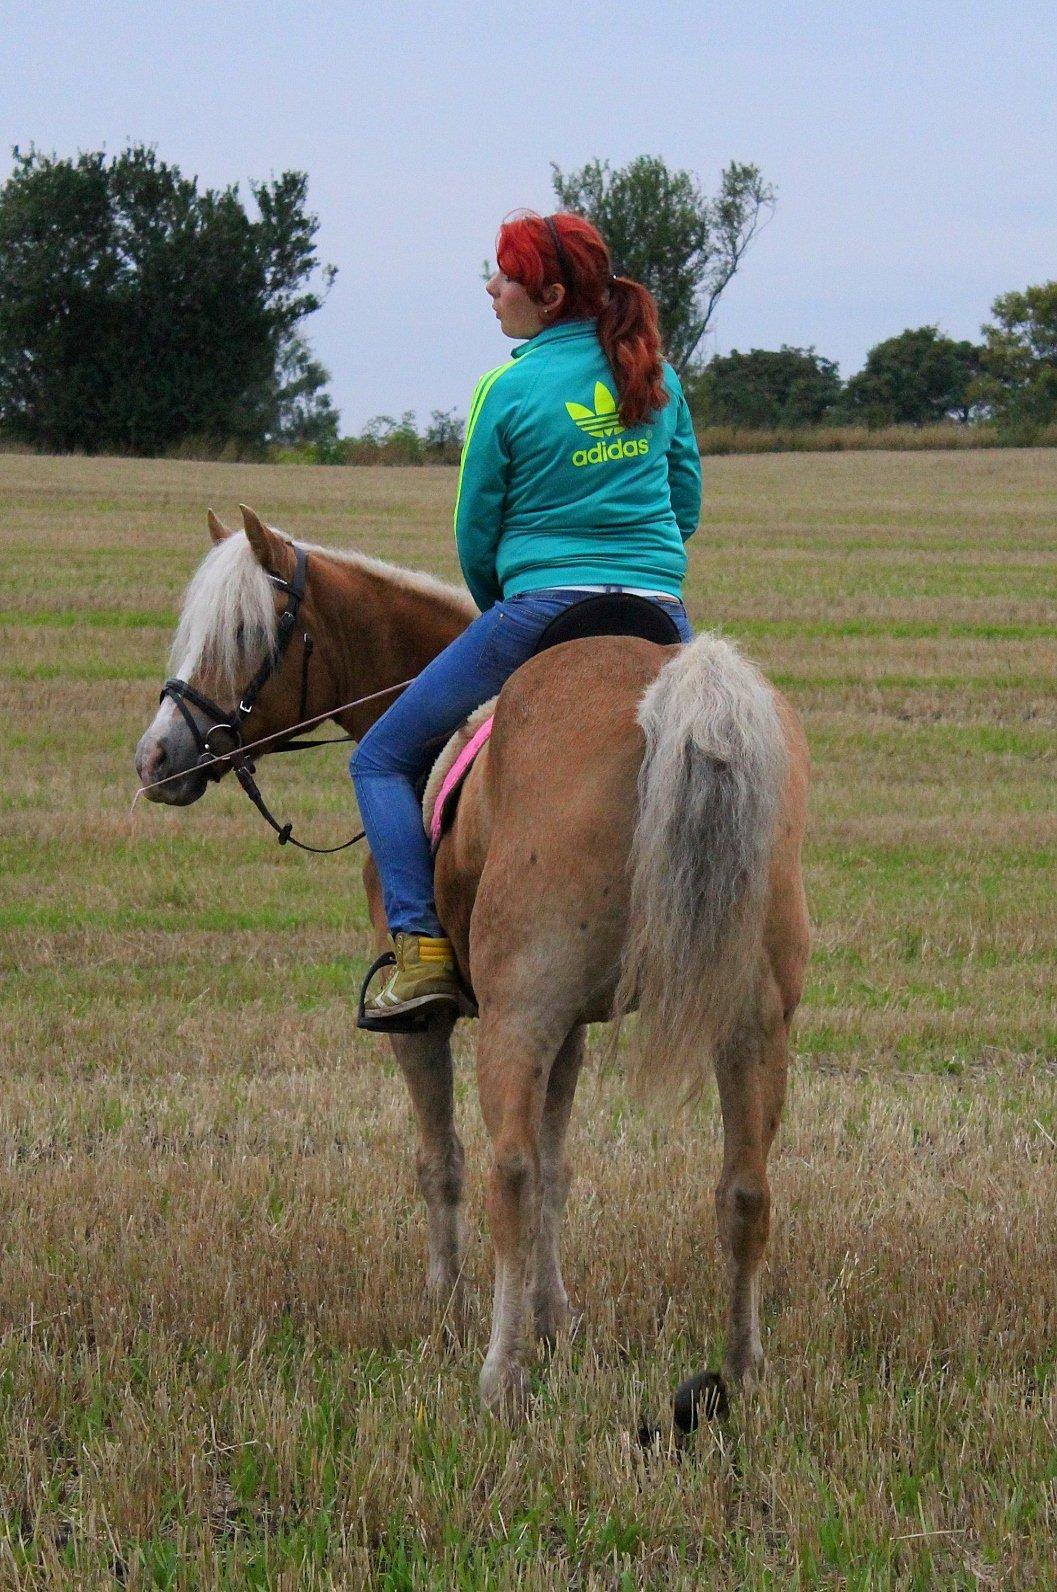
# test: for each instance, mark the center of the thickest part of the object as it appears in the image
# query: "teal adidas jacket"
(554, 491)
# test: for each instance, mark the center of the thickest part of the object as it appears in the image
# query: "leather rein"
(224, 744)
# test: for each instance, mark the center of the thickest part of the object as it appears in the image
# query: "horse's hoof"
(553, 1323)
(446, 1300)
(504, 1388)
(446, 1291)
(700, 1398)
(650, 1436)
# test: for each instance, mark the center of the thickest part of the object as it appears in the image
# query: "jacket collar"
(564, 331)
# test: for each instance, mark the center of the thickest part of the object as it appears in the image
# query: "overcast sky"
(912, 147)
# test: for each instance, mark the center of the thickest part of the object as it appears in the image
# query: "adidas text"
(604, 451)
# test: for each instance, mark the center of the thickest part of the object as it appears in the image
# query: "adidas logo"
(602, 420)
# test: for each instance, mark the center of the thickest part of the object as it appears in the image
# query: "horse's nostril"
(151, 760)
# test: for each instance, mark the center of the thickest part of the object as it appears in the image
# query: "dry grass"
(216, 1363)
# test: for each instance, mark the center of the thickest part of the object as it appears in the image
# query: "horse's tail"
(709, 790)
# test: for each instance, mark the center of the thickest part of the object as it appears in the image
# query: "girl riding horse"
(629, 837)
(566, 487)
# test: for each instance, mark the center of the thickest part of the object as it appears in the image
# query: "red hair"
(567, 250)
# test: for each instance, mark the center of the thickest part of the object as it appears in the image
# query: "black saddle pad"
(611, 613)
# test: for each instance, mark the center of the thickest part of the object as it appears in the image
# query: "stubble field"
(217, 1365)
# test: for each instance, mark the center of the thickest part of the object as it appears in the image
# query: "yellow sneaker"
(424, 980)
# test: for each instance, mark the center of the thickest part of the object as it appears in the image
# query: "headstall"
(220, 747)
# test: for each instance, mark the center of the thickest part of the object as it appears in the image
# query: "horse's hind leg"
(425, 1061)
(514, 1057)
(751, 1076)
(751, 1073)
(550, 1302)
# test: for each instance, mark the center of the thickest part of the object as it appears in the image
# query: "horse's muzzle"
(161, 781)
(179, 792)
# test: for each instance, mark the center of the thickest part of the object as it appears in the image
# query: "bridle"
(224, 745)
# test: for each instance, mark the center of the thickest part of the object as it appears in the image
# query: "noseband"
(222, 744)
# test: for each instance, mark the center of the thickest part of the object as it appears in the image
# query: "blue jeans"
(404, 743)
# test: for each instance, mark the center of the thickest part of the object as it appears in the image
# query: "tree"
(444, 433)
(917, 377)
(136, 311)
(397, 438)
(765, 387)
(303, 412)
(662, 231)
(1018, 380)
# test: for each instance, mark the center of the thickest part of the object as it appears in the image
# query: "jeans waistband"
(591, 591)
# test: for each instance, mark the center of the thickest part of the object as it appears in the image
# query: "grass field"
(217, 1367)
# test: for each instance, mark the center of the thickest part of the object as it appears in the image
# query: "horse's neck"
(380, 628)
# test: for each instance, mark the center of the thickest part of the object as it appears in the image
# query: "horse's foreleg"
(425, 1061)
(512, 1068)
(550, 1302)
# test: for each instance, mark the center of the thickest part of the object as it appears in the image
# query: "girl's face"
(517, 313)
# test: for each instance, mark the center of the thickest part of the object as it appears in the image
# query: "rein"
(224, 744)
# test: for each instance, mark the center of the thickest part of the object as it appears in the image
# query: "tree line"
(142, 314)
(919, 377)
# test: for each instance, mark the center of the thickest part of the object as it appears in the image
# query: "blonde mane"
(455, 597)
(228, 622)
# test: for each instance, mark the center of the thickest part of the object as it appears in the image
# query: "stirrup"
(413, 1022)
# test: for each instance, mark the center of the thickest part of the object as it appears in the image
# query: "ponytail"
(631, 340)
(567, 249)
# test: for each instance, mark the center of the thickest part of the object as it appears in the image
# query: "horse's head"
(231, 627)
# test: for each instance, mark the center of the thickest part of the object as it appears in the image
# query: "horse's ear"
(217, 529)
(270, 549)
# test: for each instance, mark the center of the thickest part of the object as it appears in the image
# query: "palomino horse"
(630, 836)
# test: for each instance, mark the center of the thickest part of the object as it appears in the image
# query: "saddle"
(601, 614)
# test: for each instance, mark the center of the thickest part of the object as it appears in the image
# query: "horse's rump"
(622, 826)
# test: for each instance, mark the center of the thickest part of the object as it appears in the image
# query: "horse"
(629, 837)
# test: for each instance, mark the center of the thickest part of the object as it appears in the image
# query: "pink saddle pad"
(454, 778)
